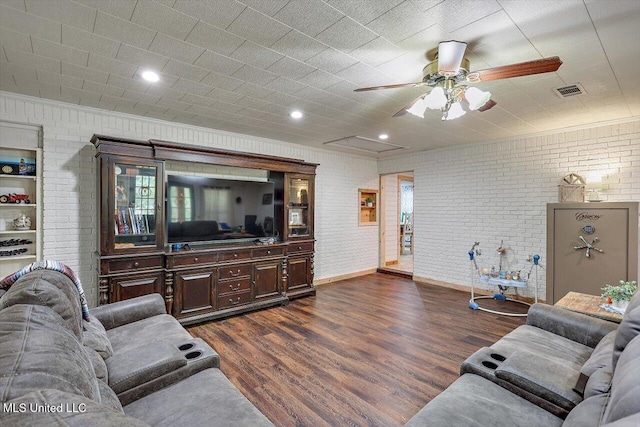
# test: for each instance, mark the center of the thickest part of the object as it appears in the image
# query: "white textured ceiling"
(242, 66)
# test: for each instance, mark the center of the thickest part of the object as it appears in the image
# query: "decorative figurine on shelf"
(23, 222)
(15, 198)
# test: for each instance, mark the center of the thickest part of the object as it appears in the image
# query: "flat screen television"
(202, 209)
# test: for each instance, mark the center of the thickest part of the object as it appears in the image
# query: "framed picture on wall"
(267, 198)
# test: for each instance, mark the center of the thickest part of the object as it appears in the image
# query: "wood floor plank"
(367, 351)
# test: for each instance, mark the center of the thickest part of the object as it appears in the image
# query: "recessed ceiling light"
(150, 76)
(296, 114)
(383, 136)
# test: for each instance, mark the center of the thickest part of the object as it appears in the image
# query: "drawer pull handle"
(195, 259)
(299, 248)
(232, 302)
(234, 275)
(234, 289)
(136, 264)
(268, 252)
(235, 255)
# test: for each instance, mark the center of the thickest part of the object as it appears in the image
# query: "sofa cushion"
(95, 336)
(51, 289)
(138, 365)
(207, 398)
(474, 401)
(588, 413)
(152, 329)
(38, 351)
(625, 386)
(108, 397)
(76, 411)
(629, 328)
(539, 341)
(599, 382)
(547, 378)
(601, 355)
(600, 358)
(99, 367)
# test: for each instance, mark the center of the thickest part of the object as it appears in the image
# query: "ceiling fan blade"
(365, 89)
(489, 105)
(406, 107)
(450, 55)
(528, 68)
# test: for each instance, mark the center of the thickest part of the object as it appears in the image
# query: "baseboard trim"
(397, 273)
(464, 288)
(321, 282)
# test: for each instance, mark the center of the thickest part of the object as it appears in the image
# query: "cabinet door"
(136, 285)
(299, 206)
(132, 214)
(194, 291)
(267, 277)
(298, 273)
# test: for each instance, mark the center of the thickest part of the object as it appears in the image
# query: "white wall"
(499, 190)
(69, 181)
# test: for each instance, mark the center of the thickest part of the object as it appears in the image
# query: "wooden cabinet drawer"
(193, 259)
(300, 247)
(233, 255)
(234, 271)
(135, 263)
(231, 300)
(234, 285)
(266, 252)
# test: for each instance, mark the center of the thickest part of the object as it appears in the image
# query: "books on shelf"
(129, 222)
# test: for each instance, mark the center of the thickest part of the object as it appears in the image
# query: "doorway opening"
(397, 224)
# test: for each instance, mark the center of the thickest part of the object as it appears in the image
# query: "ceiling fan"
(448, 74)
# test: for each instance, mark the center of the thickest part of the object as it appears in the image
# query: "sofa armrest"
(574, 326)
(129, 311)
(542, 377)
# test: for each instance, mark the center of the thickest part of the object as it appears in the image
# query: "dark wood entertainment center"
(209, 280)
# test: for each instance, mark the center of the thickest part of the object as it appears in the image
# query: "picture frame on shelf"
(16, 165)
(295, 217)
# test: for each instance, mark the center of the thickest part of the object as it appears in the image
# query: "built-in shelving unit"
(368, 207)
(20, 195)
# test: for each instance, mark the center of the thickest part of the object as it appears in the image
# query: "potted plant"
(369, 202)
(620, 295)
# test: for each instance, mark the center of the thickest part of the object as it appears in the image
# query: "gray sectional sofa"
(130, 365)
(561, 368)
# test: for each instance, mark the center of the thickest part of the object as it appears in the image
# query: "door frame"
(400, 176)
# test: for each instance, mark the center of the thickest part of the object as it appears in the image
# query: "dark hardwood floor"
(370, 351)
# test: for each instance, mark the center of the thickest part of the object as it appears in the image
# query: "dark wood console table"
(209, 281)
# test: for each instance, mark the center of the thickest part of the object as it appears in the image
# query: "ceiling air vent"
(361, 143)
(571, 90)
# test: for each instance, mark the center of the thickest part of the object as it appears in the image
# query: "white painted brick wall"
(499, 190)
(69, 183)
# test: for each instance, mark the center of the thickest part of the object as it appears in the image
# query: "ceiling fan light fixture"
(476, 97)
(418, 108)
(436, 99)
(450, 56)
(454, 112)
